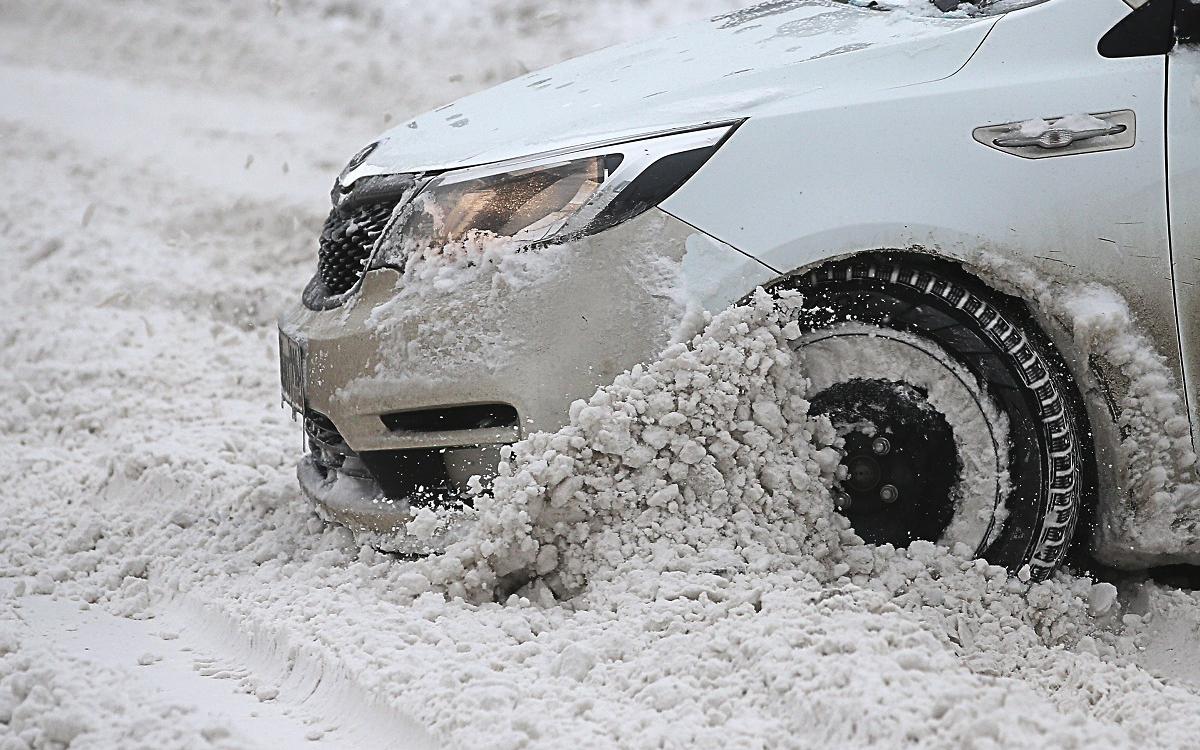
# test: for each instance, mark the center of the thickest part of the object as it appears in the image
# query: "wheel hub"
(900, 460)
(862, 473)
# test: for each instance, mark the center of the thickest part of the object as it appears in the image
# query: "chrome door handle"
(1058, 137)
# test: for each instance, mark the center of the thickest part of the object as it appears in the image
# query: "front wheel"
(957, 414)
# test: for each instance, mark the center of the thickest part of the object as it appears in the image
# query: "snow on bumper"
(523, 332)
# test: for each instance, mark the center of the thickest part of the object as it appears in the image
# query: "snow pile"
(687, 518)
(30, 709)
(1155, 472)
(501, 262)
(707, 453)
(671, 570)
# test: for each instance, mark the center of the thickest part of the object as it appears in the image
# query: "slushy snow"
(666, 571)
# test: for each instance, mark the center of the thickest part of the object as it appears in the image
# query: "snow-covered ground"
(164, 585)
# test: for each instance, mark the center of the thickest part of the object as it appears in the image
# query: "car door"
(1183, 176)
(1095, 208)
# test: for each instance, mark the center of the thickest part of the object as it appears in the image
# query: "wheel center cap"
(863, 473)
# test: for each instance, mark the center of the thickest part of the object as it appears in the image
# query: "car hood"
(728, 67)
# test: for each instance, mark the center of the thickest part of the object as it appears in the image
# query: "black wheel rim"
(900, 458)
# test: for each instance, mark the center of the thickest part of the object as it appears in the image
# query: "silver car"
(991, 212)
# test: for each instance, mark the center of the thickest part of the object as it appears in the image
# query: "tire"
(983, 442)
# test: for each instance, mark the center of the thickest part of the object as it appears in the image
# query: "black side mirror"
(1148, 30)
(1187, 21)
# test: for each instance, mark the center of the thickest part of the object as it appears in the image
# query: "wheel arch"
(1092, 391)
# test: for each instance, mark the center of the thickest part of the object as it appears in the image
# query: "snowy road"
(187, 656)
(208, 141)
(162, 582)
(128, 160)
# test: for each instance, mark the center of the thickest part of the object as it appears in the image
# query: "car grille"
(346, 243)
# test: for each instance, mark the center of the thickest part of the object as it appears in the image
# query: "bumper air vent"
(453, 418)
(328, 448)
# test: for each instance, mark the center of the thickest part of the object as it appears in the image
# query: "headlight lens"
(528, 205)
(549, 198)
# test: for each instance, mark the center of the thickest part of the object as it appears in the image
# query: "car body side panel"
(1183, 139)
(813, 179)
(854, 174)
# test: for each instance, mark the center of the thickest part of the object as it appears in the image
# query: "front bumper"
(525, 334)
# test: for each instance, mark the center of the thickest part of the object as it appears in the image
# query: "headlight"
(529, 205)
(548, 198)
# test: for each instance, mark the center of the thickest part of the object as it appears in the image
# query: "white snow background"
(164, 585)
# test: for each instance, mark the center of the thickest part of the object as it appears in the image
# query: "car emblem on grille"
(357, 160)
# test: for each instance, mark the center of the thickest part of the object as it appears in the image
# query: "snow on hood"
(727, 67)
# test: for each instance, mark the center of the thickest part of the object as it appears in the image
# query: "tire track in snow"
(194, 655)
